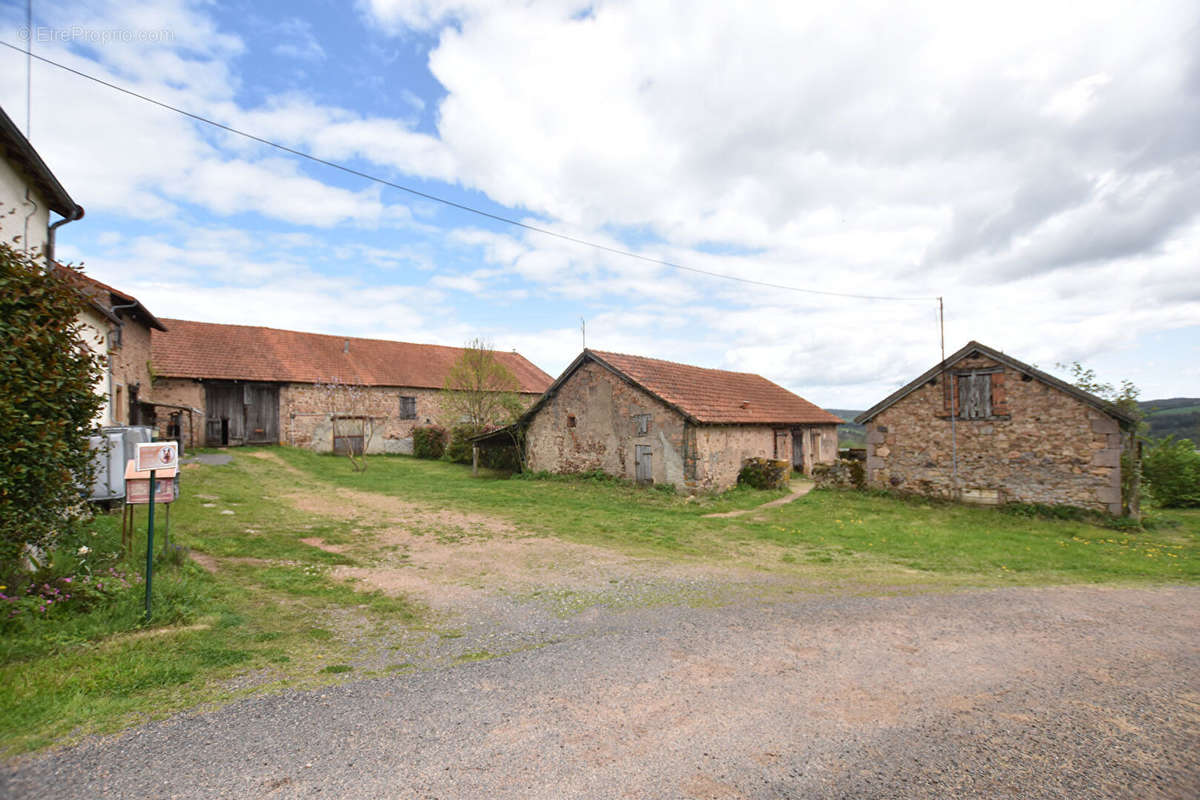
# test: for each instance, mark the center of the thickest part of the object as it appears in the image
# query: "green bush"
(429, 442)
(1171, 468)
(765, 473)
(459, 449)
(47, 402)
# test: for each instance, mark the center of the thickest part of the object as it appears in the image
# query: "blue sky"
(1036, 165)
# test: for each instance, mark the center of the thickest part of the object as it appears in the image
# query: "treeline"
(1176, 416)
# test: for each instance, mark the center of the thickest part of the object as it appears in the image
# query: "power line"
(462, 207)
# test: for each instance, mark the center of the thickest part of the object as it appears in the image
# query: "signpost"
(154, 456)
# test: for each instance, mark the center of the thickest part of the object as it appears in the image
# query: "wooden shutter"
(975, 396)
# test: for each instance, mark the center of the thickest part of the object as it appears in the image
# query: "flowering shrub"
(429, 441)
(72, 593)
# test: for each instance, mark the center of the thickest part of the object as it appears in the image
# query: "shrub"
(47, 403)
(429, 441)
(1171, 468)
(765, 473)
(459, 449)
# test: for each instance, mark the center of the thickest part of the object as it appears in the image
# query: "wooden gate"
(642, 466)
(349, 435)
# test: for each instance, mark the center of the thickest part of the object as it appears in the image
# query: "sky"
(1036, 165)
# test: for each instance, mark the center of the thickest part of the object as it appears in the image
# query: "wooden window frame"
(408, 407)
(641, 424)
(996, 398)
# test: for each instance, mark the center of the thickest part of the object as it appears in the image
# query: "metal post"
(474, 459)
(150, 548)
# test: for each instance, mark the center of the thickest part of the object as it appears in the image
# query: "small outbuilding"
(984, 427)
(656, 421)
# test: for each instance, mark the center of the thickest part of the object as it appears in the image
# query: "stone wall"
(130, 365)
(180, 392)
(604, 433)
(306, 416)
(1041, 445)
(721, 450)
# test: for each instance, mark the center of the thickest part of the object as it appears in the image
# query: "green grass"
(853, 535)
(273, 609)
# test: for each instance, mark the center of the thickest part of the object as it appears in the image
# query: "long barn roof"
(250, 353)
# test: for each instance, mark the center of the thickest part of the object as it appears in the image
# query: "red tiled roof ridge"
(604, 353)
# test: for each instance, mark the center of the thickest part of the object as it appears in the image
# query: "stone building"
(266, 386)
(116, 326)
(984, 427)
(660, 422)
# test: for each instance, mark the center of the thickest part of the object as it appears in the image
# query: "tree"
(1123, 399)
(1172, 471)
(48, 403)
(351, 425)
(479, 390)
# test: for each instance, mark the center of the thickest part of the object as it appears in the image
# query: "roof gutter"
(76, 213)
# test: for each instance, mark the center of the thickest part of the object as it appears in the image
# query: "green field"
(261, 610)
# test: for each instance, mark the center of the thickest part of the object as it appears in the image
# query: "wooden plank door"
(224, 414)
(643, 468)
(781, 445)
(262, 413)
(798, 449)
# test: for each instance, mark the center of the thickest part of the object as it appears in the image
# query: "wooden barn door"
(224, 416)
(241, 413)
(262, 413)
(643, 468)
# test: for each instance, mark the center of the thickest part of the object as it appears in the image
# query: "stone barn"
(266, 386)
(656, 421)
(984, 427)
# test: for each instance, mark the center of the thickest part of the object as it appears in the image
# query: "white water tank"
(108, 457)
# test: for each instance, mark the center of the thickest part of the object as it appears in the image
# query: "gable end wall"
(604, 436)
(1047, 447)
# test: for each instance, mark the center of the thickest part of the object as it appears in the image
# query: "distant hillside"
(1175, 416)
(849, 435)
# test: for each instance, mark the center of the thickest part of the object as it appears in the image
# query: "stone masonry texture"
(1040, 445)
(590, 424)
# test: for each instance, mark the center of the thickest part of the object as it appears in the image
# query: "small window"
(641, 424)
(570, 420)
(408, 408)
(975, 396)
(114, 338)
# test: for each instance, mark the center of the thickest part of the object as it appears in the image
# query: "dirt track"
(1070, 692)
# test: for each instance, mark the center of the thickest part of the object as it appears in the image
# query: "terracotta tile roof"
(106, 297)
(250, 353)
(713, 395)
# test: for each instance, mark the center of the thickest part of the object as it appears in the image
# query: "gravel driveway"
(1030, 693)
